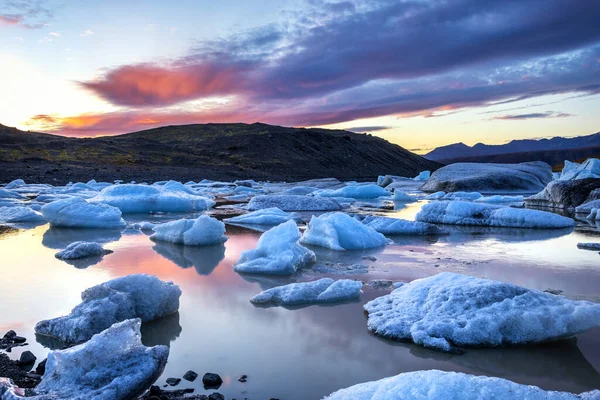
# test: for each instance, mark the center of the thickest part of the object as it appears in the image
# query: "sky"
(419, 73)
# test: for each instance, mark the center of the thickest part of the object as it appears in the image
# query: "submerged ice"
(324, 290)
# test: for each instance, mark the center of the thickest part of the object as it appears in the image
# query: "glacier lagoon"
(307, 352)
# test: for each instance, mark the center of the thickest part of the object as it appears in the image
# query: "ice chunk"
(18, 214)
(113, 365)
(588, 207)
(395, 226)
(77, 250)
(356, 192)
(76, 212)
(463, 213)
(589, 169)
(143, 225)
(423, 176)
(17, 183)
(203, 231)
(324, 290)
(566, 193)
(500, 199)
(441, 385)
(171, 197)
(294, 203)
(594, 214)
(133, 296)
(339, 231)
(448, 310)
(589, 246)
(277, 253)
(8, 194)
(267, 216)
(465, 196)
(401, 196)
(435, 196)
(299, 191)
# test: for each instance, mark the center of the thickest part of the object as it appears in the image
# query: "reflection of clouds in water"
(59, 238)
(203, 258)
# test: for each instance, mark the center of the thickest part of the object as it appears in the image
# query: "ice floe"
(396, 226)
(267, 216)
(339, 231)
(370, 191)
(423, 176)
(17, 214)
(134, 296)
(203, 231)
(277, 253)
(9, 194)
(466, 213)
(77, 250)
(171, 197)
(588, 169)
(500, 199)
(448, 310)
(324, 290)
(442, 385)
(294, 203)
(403, 197)
(76, 212)
(589, 246)
(566, 194)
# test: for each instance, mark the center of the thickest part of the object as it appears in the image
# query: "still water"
(309, 352)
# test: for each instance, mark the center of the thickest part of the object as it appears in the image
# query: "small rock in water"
(380, 284)
(190, 376)
(27, 358)
(243, 378)
(211, 380)
(370, 258)
(41, 367)
(173, 381)
(10, 340)
(216, 396)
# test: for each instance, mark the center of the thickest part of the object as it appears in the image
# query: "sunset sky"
(420, 73)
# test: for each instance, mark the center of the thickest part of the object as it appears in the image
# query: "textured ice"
(294, 203)
(8, 194)
(339, 231)
(112, 365)
(594, 214)
(325, 290)
(171, 197)
(500, 199)
(401, 196)
(589, 246)
(18, 214)
(466, 213)
(435, 196)
(203, 231)
(76, 212)
(143, 225)
(464, 196)
(441, 385)
(17, 183)
(423, 176)
(395, 226)
(589, 169)
(587, 207)
(277, 253)
(134, 296)
(298, 191)
(448, 310)
(267, 216)
(356, 192)
(77, 250)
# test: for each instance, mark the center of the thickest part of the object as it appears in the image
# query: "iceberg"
(395, 226)
(594, 214)
(77, 250)
(113, 365)
(475, 214)
(589, 246)
(299, 191)
(566, 193)
(294, 203)
(462, 196)
(339, 231)
(500, 199)
(441, 385)
(324, 290)
(76, 212)
(356, 192)
(267, 216)
(17, 214)
(435, 196)
(588, 169)
(17, 183)
(8, 194)
(203, 231)
(449, 310)
(423, 176)
(277, 253)
(133, 296)
(171, 197)
(401, 196)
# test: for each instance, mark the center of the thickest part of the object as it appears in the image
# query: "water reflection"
(461, 233)
(83, 263)
(59, 238)
(203, 258)
(162, 331)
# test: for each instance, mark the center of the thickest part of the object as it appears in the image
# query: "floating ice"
(435, 196)
(464, 196)
(588, 207)
(463, 213)
(267, 216)
(339, 231)
(395, 226)
(324, 290)
(594, 214)
(441, 385)
(589, 169)
(77, 250)
(299, 191)
(143, 225)
(423, 176)
(500, 199)
(589, 246)
(294, 203)
(75, 212)
(203, 231)
(356, 192)
(18, 214)
(277, 253)
(171, 197)
(401, 196)
(448, 310)
(113, 365)
(17, 183)
(8, 194)
(133, 296)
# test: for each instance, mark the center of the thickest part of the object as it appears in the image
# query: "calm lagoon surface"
(306, 353)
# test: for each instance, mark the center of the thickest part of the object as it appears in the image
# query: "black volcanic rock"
(565, 194)
(212, 151)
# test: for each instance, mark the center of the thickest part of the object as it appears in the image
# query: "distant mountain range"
(548, 150)
(211, 151)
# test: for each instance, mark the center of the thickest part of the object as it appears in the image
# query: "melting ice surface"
(311, 352)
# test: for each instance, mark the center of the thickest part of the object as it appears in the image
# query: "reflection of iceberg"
(252, 227)
(267, 282)
(467, 233)
(349, 256)
(161, 331)
(204, 258)
(59, 238)
(83, 263)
